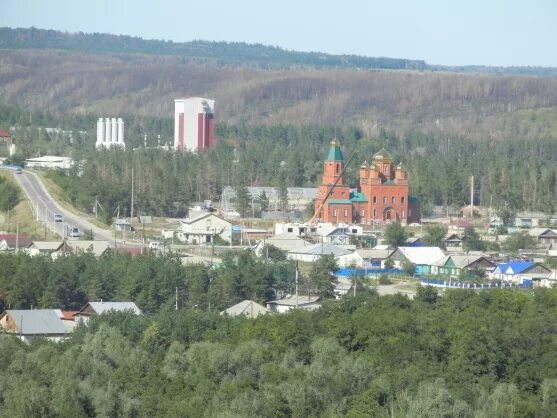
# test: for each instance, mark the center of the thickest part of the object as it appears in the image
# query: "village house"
(285, 242)
(45, 247)
(454, 265)
(374, 258)
(96, 308)
(13, 242)
(519, 272)
(204, 228)
(247, 308)
(97, 248)
(453, 242)
(545, 237)
(422, 257)
(29, 325)
(293, 302)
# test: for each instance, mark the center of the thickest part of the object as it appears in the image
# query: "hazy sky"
(489, 32)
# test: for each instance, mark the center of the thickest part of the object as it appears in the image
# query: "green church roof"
(358, 197)
(335, 154)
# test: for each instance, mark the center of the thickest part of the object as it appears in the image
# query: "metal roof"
(290, 300)
(37, 322)
(102, 307)
(286, 242)
(322, 249)
(248, 308)
(339, 202)
(358, 197)
(427, 256)
(335, 154)
(47, 245)
(96, 247)
(374, 253)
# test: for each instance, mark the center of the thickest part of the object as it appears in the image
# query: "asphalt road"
(46, 206)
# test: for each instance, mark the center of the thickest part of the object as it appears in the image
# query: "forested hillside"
(471, 106)
(463, 354)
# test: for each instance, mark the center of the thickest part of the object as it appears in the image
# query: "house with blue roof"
(519, 271)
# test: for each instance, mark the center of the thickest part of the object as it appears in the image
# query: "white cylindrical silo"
(114, 126)
(100, 131)
(107, 130)
(120, 131)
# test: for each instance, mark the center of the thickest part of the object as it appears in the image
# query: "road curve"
(43, 203)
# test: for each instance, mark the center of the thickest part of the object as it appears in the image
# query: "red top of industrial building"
(5, 134)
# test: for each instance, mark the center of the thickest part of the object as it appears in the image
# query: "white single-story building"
(50, 162)
(204, 228)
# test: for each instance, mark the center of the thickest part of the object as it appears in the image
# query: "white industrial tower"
(194, 124)
(110, 133)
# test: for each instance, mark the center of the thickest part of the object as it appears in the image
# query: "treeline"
(222, 53)
(466, 354)
(153, 283)
(513, 174)
(233, 53)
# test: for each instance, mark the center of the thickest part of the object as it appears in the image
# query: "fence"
(478, 286)
(347, 272)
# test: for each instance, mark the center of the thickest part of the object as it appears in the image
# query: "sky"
(449, 32)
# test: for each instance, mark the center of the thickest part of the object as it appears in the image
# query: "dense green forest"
(463, 354)
(69, 282)
(516, 175)
(511, 173)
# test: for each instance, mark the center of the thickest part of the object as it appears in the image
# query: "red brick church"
(382, 195)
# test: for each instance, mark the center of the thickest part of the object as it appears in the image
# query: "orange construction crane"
(331, 189)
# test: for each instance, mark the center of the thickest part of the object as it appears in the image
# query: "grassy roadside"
(23, 218)
(58, 194)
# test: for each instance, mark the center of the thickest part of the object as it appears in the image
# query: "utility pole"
(176, 305)
(131, 212)
(97, 206)
(296, 284)
(471, 196)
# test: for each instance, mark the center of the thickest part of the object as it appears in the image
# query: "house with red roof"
(6, 142)
(11, 242)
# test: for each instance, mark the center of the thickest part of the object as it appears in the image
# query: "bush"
(384, 279)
